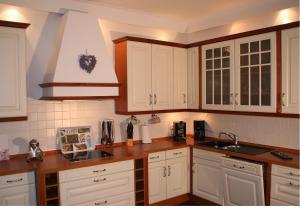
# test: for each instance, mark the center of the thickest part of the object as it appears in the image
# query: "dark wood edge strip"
(282, 115)
(58, 84)
(144, 40)
(13, 119)
(151, 112)
(200, 75)
(14, 24)
(246, 34)
(173, 201)
(278, 72)
(79, 98)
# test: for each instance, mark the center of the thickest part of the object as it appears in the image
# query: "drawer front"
(286, 190)
(275, 202)
(246, 167)
(17, 179)
(85, 190)
(126, 199)
(158, 156)
(94, 171)
(182, 152)
(287, 172)
(23, 195)
(207, 155)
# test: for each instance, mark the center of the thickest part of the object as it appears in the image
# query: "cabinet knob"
(101, 203)
(155, 99)
(184, 98)
(235, 99)
(282, 99)
(165, 171)
(150, 99)
(169, 171)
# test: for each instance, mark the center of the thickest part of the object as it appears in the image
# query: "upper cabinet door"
(217, 76)
(255, 73)
(139, 76)
(162, 77)
(193, 78)
(13, 73)
(290, 71)
(180, 78)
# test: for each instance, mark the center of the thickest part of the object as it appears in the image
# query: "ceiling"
(192, 10)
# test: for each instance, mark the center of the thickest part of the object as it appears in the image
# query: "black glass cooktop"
(86, 155)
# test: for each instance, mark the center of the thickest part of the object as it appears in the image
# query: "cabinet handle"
(235, 99)
(184, 98)
(293, 185)
(165, 171)
(99, 171)
(231, 98)
(282, 99)
(169, 171)
(99, 180)
(155, 99)
(101, 203)
(177, 153)
(156, 157)
(150, 97)
(292, 174)
(14, 181)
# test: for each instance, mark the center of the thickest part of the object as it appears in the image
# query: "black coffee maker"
(179, 131)
(199, 130)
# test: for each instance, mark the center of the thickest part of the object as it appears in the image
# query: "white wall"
(45, 117)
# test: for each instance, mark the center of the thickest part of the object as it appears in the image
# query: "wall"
(45, 117)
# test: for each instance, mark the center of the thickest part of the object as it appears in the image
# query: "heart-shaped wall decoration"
(87, 62)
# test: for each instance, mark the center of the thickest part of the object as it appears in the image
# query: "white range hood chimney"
(80, 68)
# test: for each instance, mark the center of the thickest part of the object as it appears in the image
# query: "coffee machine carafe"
(107, 129)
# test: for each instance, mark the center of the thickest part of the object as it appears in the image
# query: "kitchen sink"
(239, 148)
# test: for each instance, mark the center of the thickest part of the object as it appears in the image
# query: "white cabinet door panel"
(177, 177)
(157, 174)
(290, 71)
(13, 72)
(162, 77)
(139, 76)
(24, 195)
(180, 78)
(193, 78)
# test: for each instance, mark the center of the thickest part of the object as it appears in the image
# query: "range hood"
(80, 67)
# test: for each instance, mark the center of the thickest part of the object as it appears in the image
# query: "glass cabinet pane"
(217, 87)
(244, 48)
(209, 64)
(244, 86)
(225, 51)
(266, 85)
(254, 81)
(209, 86)
(209, 54)
(226, 86)
(266, 58)
(225, 63)
(254, 59)
(265, 45)
(244, 60)
(217, 52)
(217, 63)
(254, 46)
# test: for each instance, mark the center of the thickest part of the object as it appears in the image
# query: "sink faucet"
(232, 136)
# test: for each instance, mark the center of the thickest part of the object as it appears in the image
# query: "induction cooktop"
(86, 155)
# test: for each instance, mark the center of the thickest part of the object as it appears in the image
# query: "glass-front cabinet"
(217, 79)
(240, 74)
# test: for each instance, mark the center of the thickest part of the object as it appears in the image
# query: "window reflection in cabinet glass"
(217, 52)
(254, 46)
(244, 86)
(266, 58)
(209, 54)
(209, 85)
(226, 86)
(254, 59)
(265, 45)
(244, 48)
(217, 87)
(266, 85)
(254, 73)
(226, 51)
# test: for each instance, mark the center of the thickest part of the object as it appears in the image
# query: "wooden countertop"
(55, 162)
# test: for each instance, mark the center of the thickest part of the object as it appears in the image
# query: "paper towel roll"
(145, 134)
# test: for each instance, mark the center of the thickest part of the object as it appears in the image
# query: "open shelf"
(139, 175)
(52, 189)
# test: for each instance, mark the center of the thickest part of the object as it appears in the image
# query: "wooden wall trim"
(278, 72)
(144, 40)
(200, 76)
(14, 24)
(246, 34)
(61, 98)
(13, 119)
(73, 84)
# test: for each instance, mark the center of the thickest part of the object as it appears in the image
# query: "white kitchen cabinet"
(290, 71)
(255, 73)
(139, 76)
(207, 176)
(285, 189)
(13, 73)
(18, 190)
(180, 78)
(97, 185)
(168, 178)
(162, 77)
(193, 78)
(218, 76)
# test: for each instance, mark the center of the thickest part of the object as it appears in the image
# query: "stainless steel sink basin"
(240, 148)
